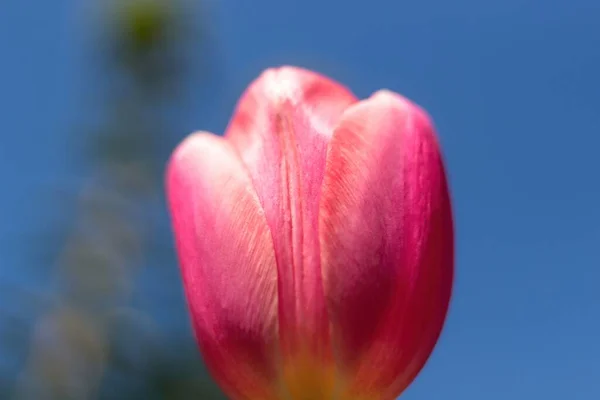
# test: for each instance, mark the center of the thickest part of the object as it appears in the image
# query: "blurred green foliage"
(89, 342)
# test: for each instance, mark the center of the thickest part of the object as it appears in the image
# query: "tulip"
(315, 240)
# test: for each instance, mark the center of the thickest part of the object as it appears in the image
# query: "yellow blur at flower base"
(307, 379)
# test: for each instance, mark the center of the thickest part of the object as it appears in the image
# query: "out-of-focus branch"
(77, 349)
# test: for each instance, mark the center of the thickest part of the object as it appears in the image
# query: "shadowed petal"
(280, 129)
(228, 265)
(387, 244)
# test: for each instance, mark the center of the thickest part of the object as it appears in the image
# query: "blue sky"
(514, 88)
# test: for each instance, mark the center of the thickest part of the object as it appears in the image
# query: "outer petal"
(387, 244)
(280, 129)
(228, 265)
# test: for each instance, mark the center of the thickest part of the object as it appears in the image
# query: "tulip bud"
(315, 241)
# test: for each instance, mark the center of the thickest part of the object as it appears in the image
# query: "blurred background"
(94, 95)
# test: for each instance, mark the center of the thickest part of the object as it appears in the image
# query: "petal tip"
(391, 98)
(193, 143)
(295, 84)
(186, 154)
(283, 83)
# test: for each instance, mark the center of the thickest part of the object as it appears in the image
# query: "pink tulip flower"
(315, 240)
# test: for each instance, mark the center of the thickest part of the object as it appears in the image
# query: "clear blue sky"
(514, 87)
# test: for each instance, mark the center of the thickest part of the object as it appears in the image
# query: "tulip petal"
(280, 129)
(387, 244)
(228, 265)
